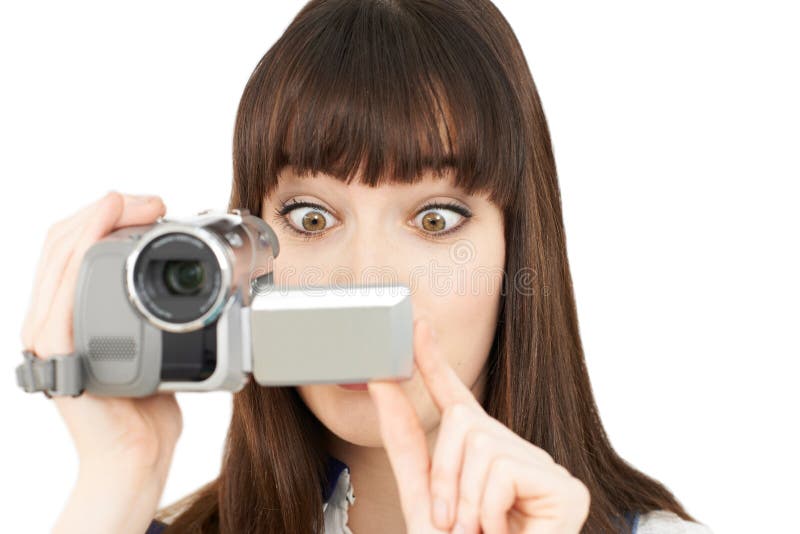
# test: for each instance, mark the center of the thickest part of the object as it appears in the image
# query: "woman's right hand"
(124, 445)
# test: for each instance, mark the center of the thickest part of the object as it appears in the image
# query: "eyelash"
(291, 205)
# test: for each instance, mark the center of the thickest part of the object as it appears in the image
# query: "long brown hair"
(383, 90)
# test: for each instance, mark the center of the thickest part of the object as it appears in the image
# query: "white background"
(675, 128)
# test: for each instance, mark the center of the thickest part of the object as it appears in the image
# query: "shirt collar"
(334, 469)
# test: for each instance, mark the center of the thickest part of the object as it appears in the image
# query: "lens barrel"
(177, 278)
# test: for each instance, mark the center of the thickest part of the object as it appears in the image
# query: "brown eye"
(433, 222)
(439, 220)
(311, 220)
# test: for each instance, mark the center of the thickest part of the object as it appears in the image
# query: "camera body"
(190, 305)
(165, 306)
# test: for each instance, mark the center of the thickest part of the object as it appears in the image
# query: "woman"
(406, 136)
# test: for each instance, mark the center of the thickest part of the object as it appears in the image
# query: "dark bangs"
(379, 89)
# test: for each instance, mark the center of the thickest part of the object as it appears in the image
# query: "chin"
(349, 415)
(364, 435)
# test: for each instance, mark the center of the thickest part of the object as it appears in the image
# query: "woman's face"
(452, 259)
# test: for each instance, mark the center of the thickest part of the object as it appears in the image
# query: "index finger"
(444, 384)
(405, 444)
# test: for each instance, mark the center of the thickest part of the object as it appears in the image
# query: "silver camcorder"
(189, 305)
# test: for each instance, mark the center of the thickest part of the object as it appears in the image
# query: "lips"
(354, 387)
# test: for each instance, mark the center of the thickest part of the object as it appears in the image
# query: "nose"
(371, 256)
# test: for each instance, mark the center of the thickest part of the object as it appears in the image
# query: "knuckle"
(547, 457)
(502, 466)
(467, 510)
(440, 478)
(458, 413)
(114, 197)
(563, 470)
(581, 492)
(53, 233)
(114, 202)
(478, 440)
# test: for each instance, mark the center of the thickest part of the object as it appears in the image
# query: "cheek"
(295, 268)
(464, 311)
(318, 265)
(466, 321)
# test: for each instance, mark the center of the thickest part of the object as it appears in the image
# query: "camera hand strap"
(57, 375)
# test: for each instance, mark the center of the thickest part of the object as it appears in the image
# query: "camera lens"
(183, 277)
(177, 278)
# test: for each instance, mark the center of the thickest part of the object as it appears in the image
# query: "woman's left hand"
(487, 477)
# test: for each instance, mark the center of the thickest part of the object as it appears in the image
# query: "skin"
(379, 227)
(424, 455)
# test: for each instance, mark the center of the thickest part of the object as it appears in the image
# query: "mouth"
(354, 387)
(363, 385)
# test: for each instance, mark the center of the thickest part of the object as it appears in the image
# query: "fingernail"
(440, 511)
(459, 529)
